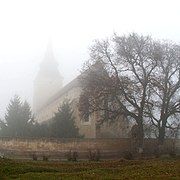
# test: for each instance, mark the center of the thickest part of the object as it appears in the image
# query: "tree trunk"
(140, 138)
(161, 140)
(161, 136)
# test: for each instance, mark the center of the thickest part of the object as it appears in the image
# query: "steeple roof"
(49, 58)
(49, 65)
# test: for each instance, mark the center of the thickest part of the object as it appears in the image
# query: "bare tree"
(119, 83)
(164, 106)
(137, 77)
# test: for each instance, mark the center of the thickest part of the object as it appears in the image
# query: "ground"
(121, 169)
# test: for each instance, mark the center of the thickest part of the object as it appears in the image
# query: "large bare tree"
(164, 106)
(121, 85)
(136, 77)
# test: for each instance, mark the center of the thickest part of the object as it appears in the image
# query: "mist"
(27, 26)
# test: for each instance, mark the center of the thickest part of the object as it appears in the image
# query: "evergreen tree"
(3, 128)
(40, 130)
(13, 116)
(18, 119)
(63, 124)
(27, 120)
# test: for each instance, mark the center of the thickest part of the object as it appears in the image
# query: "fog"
(27, 26)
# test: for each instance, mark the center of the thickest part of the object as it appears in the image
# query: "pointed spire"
(49, 58)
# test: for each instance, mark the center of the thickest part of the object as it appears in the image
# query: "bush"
(68, 155)
(72, 156)
(91, 155)
(94, 155)
(172, 154)
(34, 157)
(127, 155)
(2, 156)
(45, 158)
(98, 155)
(156, 153)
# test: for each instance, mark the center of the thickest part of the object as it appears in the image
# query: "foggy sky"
(27, 25)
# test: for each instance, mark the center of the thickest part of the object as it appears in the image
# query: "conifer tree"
(27, 120)
(63, 124)
(18, 119)
(13, 117)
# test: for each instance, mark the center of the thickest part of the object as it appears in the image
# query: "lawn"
(122, 169)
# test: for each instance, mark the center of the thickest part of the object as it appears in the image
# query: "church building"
(49, 94)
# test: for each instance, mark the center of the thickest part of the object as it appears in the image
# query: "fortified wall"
(58, 148)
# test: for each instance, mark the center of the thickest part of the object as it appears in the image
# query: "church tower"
(48, 80)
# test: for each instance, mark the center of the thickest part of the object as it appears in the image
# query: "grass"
(122, 169)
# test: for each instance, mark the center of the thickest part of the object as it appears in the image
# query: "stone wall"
(57, 148)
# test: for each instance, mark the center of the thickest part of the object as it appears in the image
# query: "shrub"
(98, 155)
(156, 153)
(94, 155)
(68, 155)
(45, 158)
(2, 156)
(172, 154)
(91, 155)
(34, 157)
(72, 156)
(127, 155)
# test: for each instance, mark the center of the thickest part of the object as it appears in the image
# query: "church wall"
(49, 95)
(88, 129)
(117, 129)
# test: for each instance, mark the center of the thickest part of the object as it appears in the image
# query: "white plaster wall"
(86, 129)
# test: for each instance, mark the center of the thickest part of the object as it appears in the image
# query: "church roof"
(74, 83)
(49, 65)
(49, 58)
